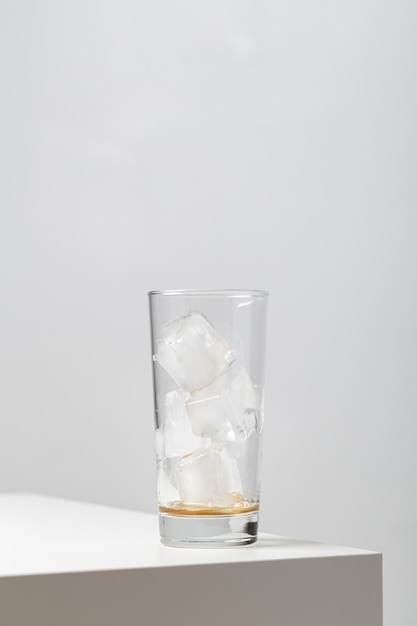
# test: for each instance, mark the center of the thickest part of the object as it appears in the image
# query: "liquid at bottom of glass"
(208, 528)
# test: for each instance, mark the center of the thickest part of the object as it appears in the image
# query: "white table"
(66, 563)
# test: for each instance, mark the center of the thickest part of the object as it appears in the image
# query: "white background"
(177, 144)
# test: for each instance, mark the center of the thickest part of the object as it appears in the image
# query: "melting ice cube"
(178, 437)
(208, 478)
(225, 410)
(192, 351)
(166, 490)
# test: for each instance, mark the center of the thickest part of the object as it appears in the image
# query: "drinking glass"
(208, 354)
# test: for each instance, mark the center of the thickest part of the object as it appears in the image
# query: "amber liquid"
(179, 508)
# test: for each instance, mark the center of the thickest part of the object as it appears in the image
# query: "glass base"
(208, 531)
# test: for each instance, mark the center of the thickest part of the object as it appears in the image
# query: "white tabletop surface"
(40, 535)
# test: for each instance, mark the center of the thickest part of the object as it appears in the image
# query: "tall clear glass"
(208, 351)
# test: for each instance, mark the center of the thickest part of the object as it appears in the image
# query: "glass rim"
(229, 293)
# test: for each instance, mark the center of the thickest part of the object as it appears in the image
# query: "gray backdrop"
(266, 145)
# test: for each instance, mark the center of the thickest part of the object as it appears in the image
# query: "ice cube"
(225, 410)
(209, 478)
(178, 437)
(167, 492)
(192, 351)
